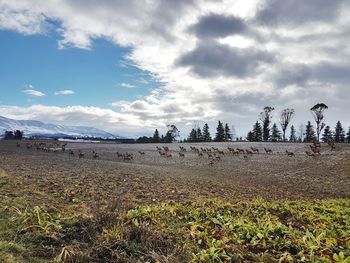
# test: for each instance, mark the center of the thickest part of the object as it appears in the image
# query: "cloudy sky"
(130, 66)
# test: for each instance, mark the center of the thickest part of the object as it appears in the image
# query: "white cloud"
(307, 47)
(64, 92)
(127, 85)
(34, 93)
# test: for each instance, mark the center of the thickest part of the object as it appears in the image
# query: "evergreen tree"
(8, 135)
(327, 134)
(265, 118)
(292, 137)
(18, 135)
(193, 136)
(257, 132)
(348, 136)
(228, 135)
(156, 138)
(168, 137)
(199, 135)
(309, 133)
(275, 133)
(339, 134)
(250, 136)
(206, 133)
(220, 133)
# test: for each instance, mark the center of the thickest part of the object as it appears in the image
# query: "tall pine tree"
(265, 117)
(275, 133)
(339, 134)
(206, 133)
(220, 133)
(309, 133)
(228, 135)
(293, 136)
(199, 135)
(348, 136)
(257, 132)
(156, 137)
(327, 135)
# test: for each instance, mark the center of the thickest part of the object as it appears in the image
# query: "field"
(59, 207)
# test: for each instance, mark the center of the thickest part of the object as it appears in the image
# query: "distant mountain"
(44, 130)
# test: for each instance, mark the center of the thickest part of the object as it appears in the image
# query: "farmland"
(129, 199)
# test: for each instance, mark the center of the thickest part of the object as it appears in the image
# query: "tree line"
(13, 135)
(264, 131)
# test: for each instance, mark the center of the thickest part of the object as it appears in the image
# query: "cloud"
(34, 93)
(23, 21)
(64, 92)
(298, 12)
(216, 25)
(127, 85)
(213, 59)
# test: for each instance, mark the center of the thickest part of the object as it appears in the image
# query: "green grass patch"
(204, 231)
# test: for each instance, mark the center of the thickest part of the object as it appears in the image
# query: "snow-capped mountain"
(38, 128)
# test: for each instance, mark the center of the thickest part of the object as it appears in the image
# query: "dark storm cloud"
(211, 59)
(290, 74)
(300, 74)
(299, 11)
(215, 25)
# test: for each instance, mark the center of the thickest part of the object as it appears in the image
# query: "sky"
(131, 66)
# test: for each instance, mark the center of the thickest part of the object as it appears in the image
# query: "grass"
(203, 231)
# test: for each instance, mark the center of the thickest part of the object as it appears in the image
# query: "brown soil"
(58, 179)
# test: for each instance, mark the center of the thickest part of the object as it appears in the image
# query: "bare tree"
(317, 112)
(285, 118)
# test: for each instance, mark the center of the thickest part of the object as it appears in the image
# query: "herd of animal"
(213, 154)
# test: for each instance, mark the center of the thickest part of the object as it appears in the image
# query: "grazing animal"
(240, 150)
(141, 152)
(248, 151)
(315, 149)
(168, 155)
(166, 148)
(200, 154)
(245, 157)
(267, 150)
(95, 155)
(310, 153)
(211, 163)
(290, 154)
(71, 152)
(80, 154)
(181, 155)
(256, 150)
(120, 155)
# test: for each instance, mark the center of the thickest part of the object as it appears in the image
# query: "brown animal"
(120, 155)
(211, 163)
(168, 155)
(181, 155)
(95, 155)
(256, 150)
(315, 149)
(80, 154)
(290, 154)
(240, 150)
(310, 153)
(248, 151)
(267, 150)
(141, 152)
(200, 154)
(71, 152)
